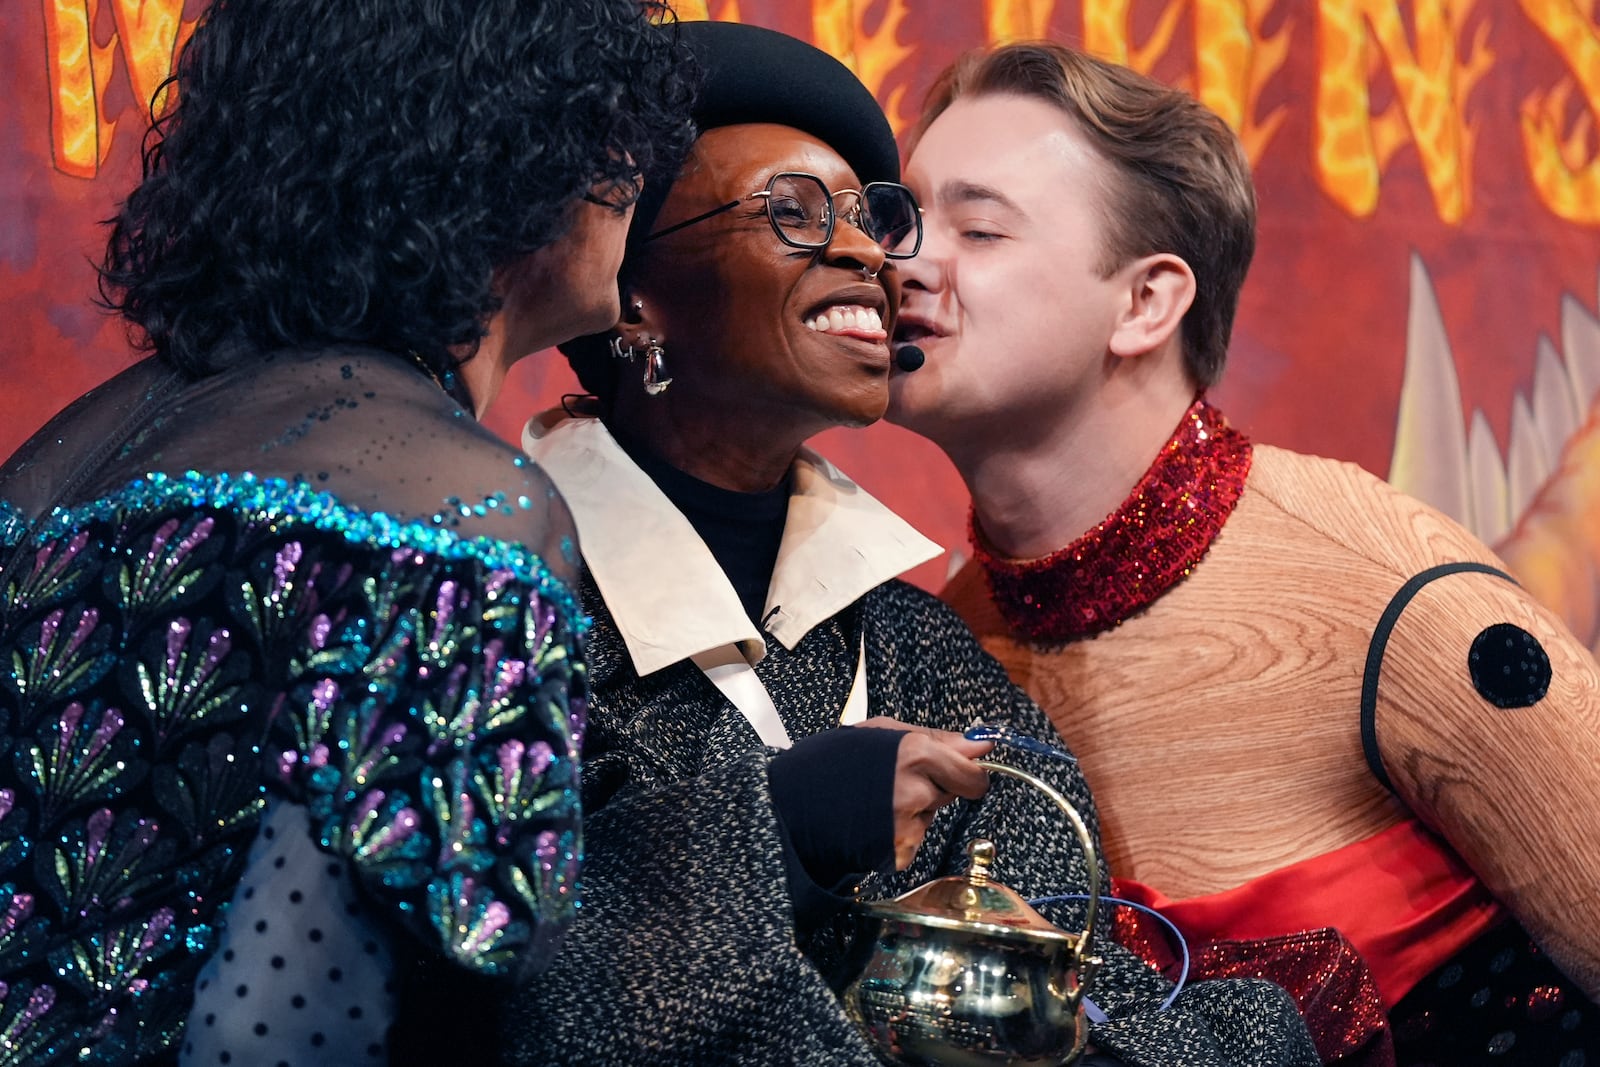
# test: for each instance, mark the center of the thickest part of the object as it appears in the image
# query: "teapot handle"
(1078, 827)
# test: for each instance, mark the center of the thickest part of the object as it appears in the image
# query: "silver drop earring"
(655, 368)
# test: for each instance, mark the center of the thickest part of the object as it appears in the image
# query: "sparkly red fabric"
(1144, 548)
(1327, 979)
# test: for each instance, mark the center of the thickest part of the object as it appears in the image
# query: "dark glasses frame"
(855, 216)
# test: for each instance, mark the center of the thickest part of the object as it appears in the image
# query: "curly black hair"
(352, 171)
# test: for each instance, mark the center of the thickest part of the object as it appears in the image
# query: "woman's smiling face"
(799, 334)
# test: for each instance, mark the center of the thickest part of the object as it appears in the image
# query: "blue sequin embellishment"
(183, 646)
(273, 500)
(12, 524)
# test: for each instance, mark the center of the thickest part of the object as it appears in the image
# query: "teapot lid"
(972, 902)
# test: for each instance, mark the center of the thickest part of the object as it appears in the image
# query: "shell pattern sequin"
(180, 649)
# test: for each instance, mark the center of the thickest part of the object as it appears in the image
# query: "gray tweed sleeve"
(932, 671)
(684, 948)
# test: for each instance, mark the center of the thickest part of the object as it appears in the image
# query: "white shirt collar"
(660, 582)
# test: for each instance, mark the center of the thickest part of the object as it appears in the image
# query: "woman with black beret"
(748, 630)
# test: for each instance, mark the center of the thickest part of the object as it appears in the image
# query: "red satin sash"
(1402, 897)
(1347, 933)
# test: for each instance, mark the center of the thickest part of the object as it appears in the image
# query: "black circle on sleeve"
(1380, 641)
(1510, 668)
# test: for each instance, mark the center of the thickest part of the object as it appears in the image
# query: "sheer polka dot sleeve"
(302, 971)
(433, 734)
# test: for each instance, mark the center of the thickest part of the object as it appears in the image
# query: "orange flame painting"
(1425, 298)
(866, 36)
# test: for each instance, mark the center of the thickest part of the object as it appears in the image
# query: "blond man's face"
(1007, 298)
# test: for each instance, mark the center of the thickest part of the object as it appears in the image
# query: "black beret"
(753, 74)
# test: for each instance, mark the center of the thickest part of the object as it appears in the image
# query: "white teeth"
(845, 317)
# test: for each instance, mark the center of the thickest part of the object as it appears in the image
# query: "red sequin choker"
(1144, 548)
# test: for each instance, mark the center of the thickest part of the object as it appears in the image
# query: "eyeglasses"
(802, 212)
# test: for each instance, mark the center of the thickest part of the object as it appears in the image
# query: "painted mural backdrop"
(1423, 301)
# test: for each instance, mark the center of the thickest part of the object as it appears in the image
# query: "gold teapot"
(963, 973)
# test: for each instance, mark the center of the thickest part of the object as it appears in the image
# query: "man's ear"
(1160, 290)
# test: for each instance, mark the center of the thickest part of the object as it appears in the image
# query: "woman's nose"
(850, 241)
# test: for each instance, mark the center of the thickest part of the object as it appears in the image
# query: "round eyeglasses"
(802, 212)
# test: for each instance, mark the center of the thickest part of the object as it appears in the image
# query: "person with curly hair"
(297, 689)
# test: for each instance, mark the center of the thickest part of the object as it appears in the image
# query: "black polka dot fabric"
(1499, 1001)
(301, 975)
(1510, 668)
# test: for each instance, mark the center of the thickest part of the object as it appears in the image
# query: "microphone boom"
(909, 358)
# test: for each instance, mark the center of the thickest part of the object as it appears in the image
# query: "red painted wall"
(1406, 154)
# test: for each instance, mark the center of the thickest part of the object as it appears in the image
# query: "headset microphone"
(909, 358)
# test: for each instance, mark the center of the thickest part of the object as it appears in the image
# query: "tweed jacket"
(686, 948)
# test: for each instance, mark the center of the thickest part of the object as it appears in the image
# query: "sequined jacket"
(686, 949)
(183, 645)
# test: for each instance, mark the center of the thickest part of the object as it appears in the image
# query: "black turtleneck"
(742, 530)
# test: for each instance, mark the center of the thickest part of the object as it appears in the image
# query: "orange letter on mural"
(1017, 20)
(1106, 33)
(149, 32)
(1431, 85)
(152, 31)
(1233, 59)
(80, 132)
(700, 11)
(1565, 174)
(839, 28)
